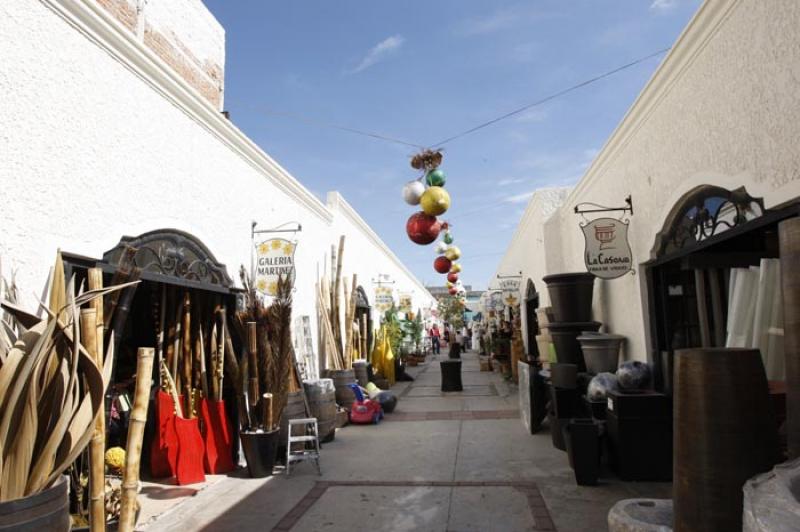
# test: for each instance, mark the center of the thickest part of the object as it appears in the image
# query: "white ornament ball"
(441, 247)
(413, 191)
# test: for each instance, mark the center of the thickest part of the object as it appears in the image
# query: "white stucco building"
(722, 112)
(112, 126)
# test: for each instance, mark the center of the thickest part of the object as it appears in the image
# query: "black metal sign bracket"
(579, 208)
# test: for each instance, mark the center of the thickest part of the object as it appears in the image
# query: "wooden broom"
(133, 451)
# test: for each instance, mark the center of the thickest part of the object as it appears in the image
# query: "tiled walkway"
(458, 461)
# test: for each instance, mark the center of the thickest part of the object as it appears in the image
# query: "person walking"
(435, 335)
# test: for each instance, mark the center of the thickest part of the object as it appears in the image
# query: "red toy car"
(364, 411)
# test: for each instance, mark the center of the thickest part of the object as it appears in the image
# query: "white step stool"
(312, 435)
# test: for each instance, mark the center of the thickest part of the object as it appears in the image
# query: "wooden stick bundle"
(187, 355)
(133, 451)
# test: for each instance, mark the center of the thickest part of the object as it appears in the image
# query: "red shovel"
(164, 453)
(189, 466)
(218, 439)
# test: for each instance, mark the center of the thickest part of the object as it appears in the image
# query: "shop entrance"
(181, 283)
(714, 279)
(531, 321)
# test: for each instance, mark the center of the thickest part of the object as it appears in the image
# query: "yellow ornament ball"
(435, 201)
(455, 268)
(452, 253)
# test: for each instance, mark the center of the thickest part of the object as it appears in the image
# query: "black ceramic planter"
(565, 339)
(451, 375)
(571, 295)
(564, 375)
(46, 510)
(583, 447)
(260, 451)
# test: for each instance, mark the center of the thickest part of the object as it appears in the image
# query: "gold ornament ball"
(455, 268)
(435, 201)
(453, 253)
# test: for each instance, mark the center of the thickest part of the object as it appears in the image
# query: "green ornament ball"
(448, 238)
(435, 178)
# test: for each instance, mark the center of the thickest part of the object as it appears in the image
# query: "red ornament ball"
(452, 277)
(422, 228)
(453, 291)
(442, 264)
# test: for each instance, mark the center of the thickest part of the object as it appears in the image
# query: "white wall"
(101, 139)
(723, 109)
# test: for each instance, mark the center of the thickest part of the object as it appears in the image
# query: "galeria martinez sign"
(608, 254)
(273, 258)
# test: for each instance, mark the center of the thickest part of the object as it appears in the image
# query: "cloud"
(519, 198)
(533, 115)
(510, 181)
(663, 5)
(499, 20)
(379, 52)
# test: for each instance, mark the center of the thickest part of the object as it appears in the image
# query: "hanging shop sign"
(608, 253)
(497, 301)
(510, 288)
(274, 258)
(384, 299)
(405, 303)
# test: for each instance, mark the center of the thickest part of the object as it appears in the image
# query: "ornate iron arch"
(703, 212)
(172, 253)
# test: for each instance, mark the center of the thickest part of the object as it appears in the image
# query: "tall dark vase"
(583, 449)
(724, 434)
(570, 295)
(260, 451)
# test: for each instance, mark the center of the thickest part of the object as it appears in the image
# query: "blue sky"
(422, 71)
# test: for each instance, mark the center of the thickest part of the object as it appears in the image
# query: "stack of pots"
(571, 301)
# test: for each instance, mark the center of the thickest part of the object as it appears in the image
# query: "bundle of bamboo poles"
(338, 345)
(53, 375)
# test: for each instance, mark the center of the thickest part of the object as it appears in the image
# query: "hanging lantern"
(452, 291)
(423, 229)
(442, 264)
(435, 178)
(452, 277)
(448, 238)
(413, 191)
(456, 268)
(441, 247)
(435, 201)
(453, 253)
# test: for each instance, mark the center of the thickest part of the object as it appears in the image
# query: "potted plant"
(265, 373)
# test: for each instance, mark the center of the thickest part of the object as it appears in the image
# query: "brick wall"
(184, 34)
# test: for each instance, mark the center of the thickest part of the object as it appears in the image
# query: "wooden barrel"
(295, 409)
(321, 396)
(724, 434)
(341, 379)
(789, 236)
(360, 370)
(48, 510)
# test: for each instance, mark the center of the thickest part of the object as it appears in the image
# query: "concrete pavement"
(456, 461)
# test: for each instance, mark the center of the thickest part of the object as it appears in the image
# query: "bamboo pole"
(266, 401)
(364, 337)
(252, 362)
(97, 476)
(177, 343)
(202, 354)
(223, 344)
(351, 314)
(133, 451)
(214, 345)
(187, 355)
(336, 322)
